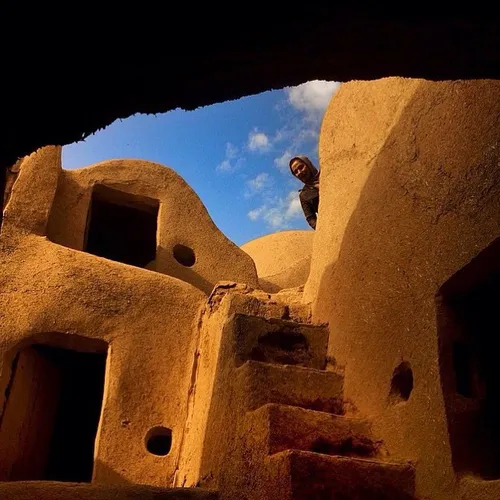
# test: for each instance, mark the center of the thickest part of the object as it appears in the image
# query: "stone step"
(314, 476)
(279, 341)
(284, 427)
(51, 490)
(263, 383)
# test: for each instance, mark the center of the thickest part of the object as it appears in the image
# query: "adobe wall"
(410, 193)
(182, 220)
(282, 259)
(147, 322)
(52, 295)
(219, 393)
(29, 490)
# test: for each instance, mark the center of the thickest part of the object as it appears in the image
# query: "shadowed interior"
(50, 421)
(122, 227)
(470, 327)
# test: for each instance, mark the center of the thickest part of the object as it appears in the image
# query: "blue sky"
(234, 154)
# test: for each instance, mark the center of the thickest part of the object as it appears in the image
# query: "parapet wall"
(188, 245)
(282, 259)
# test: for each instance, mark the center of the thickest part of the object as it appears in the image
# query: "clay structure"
(144, 355)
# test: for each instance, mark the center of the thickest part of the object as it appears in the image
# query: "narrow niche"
(401, 383)
(51, 416)
(122, 226)
(159, 441)
(184, 255)
(469, 338)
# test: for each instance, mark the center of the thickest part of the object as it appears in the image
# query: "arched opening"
(52, 411)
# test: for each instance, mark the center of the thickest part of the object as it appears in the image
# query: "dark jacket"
(309, 199)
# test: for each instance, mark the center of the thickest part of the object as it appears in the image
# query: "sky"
(234, 155)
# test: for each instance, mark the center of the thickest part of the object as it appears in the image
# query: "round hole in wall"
(159, 441)
(401, 383)
(184, 255)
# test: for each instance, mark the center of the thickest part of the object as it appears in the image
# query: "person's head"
(302, 168)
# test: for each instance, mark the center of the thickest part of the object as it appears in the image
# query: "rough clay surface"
(410, 194)
(282, 259)
(77, 491)
(182, 219)
(147, 322)
(410, 190)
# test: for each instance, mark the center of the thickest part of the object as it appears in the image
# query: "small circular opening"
(401, 383)
(184, 255)
(159, 441)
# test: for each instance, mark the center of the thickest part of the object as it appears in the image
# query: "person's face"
(301, 170)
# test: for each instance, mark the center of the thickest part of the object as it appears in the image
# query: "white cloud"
(299, 137)
(294, 208)
(261, 181)
(278, 213)
(224, 166)
(282, 161)
(229, 165)
(303, 110)
(312, 97)
(259, 185)
(258, 141)
(231, 150)
(297, 130)
(232, 161)
(256, 213)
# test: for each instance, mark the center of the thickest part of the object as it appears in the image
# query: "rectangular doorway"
(469, 339)
(122, 226)
(51, 416)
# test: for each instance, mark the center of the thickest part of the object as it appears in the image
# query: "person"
(302, 168)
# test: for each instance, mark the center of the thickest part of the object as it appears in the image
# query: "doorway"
(469, 339)
(51, 416)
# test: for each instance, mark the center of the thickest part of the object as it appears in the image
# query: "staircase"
(290, 433)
